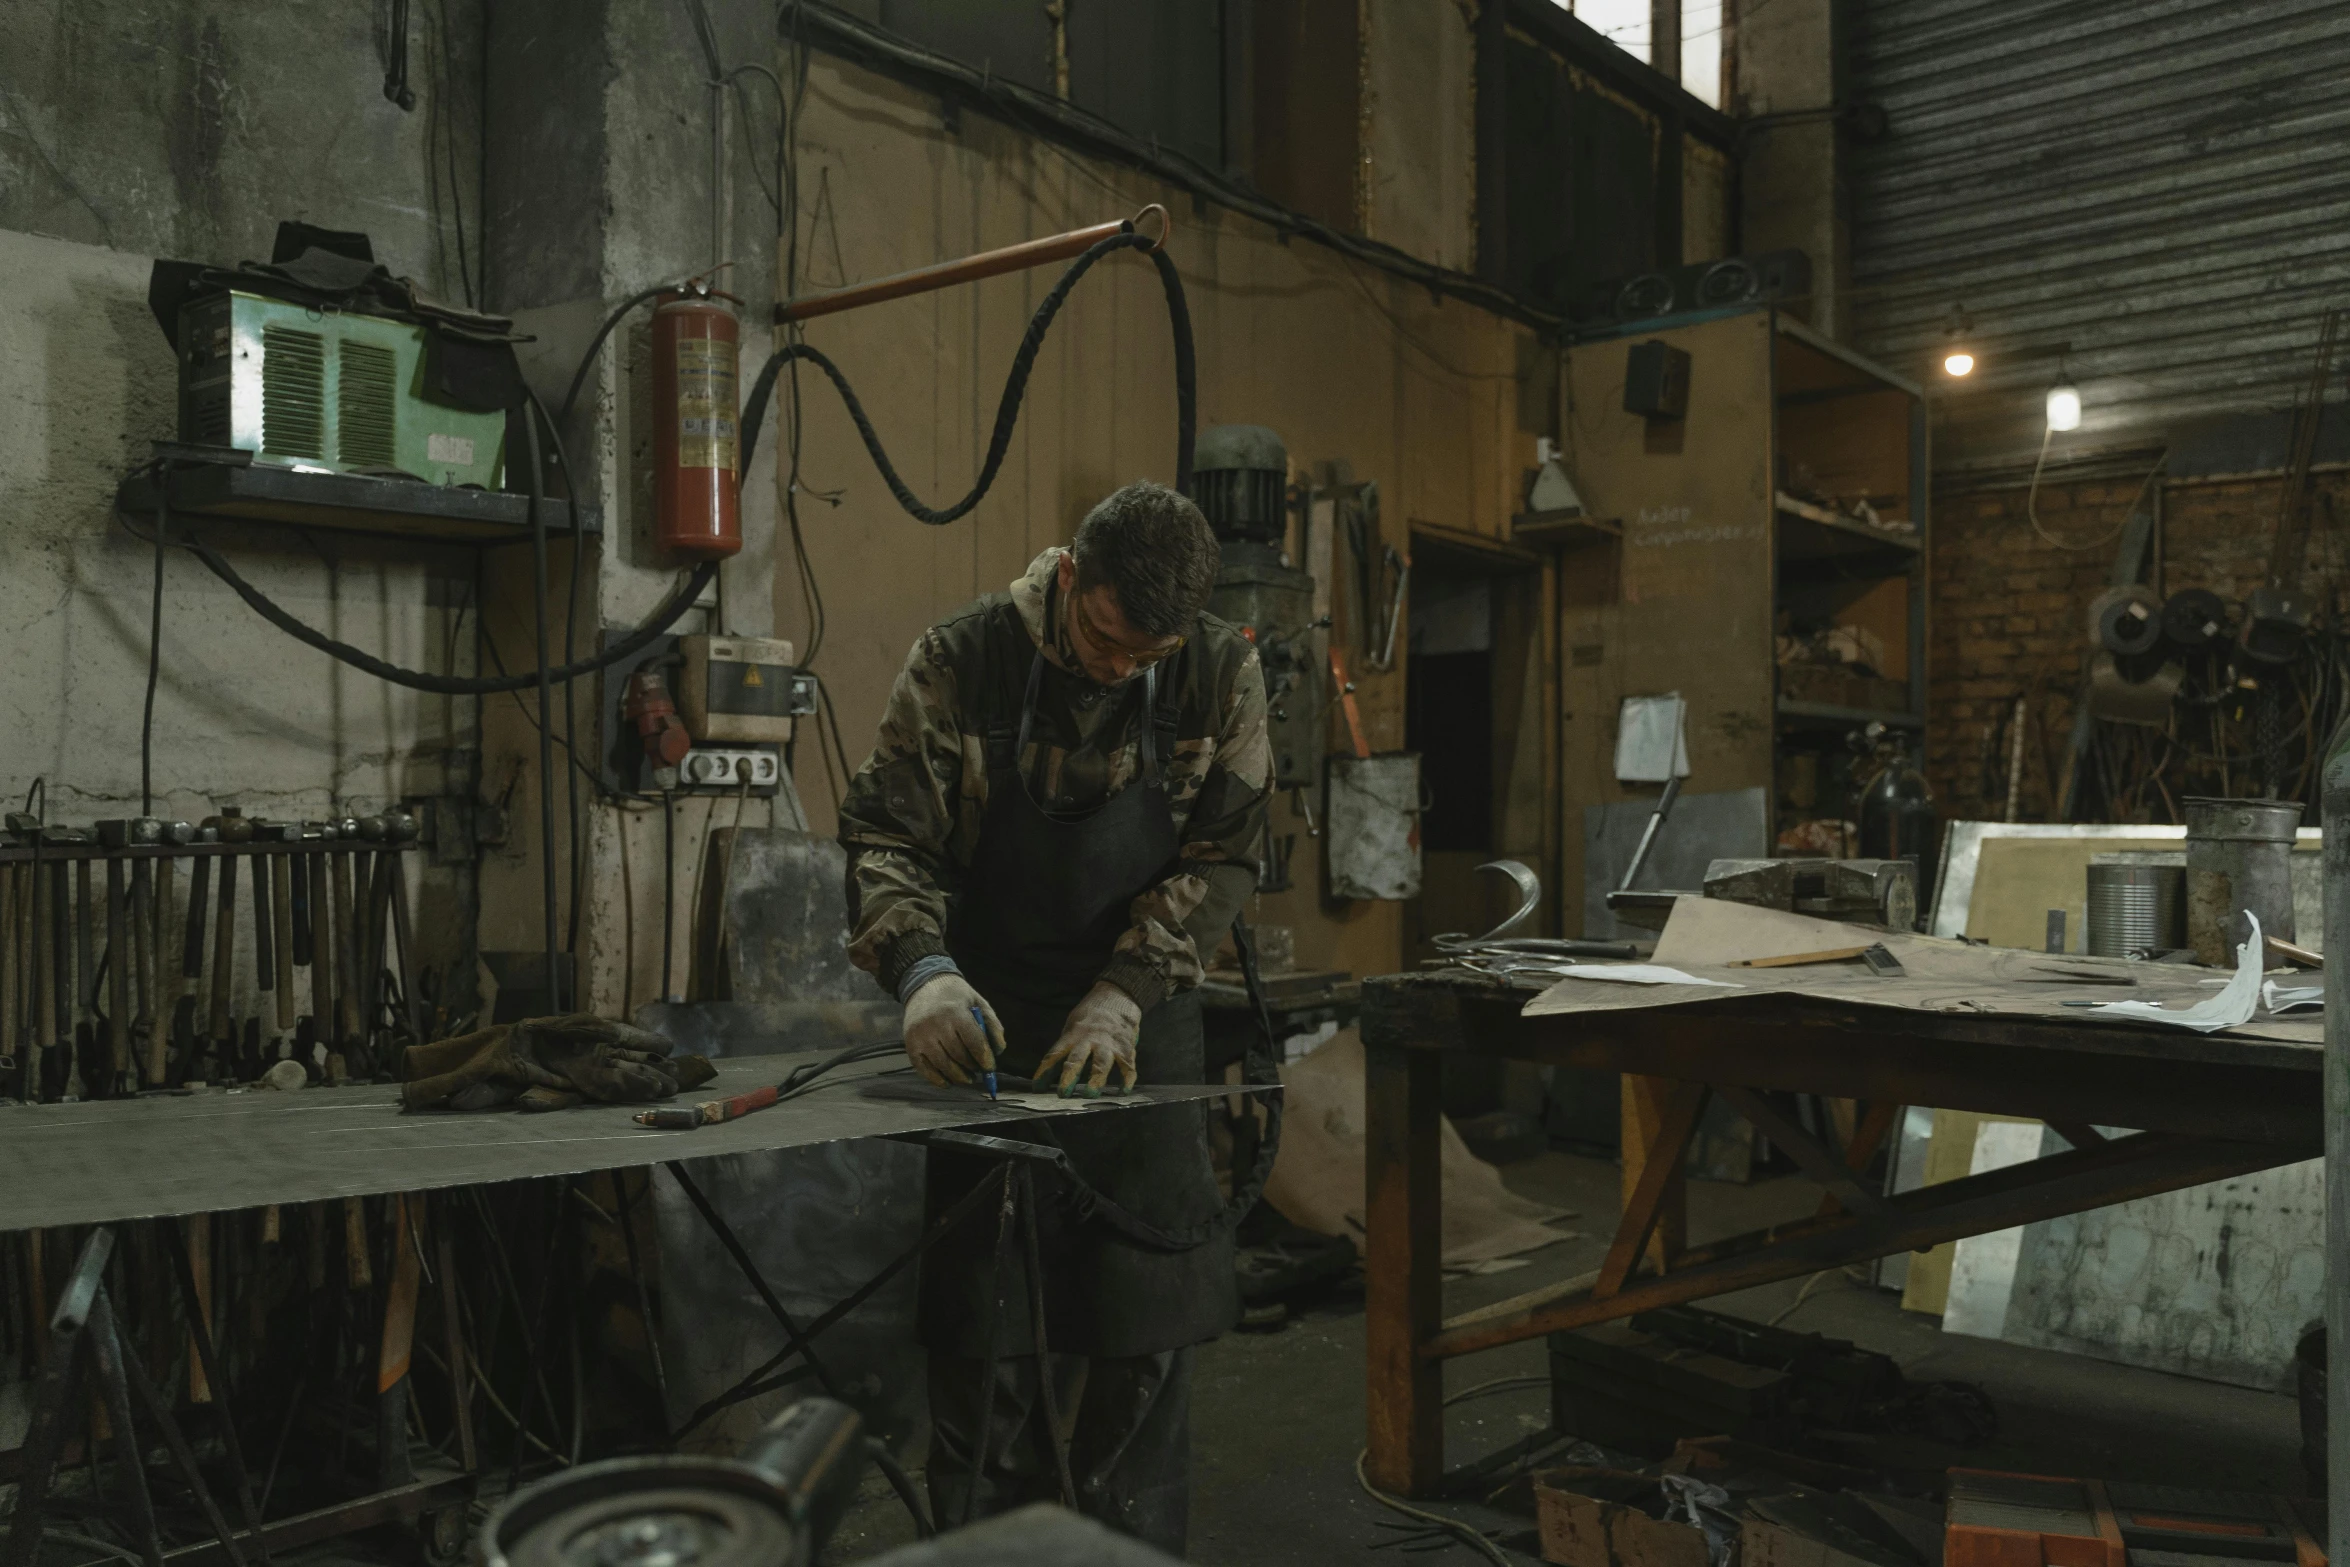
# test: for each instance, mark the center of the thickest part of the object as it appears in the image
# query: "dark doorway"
(1448, 705)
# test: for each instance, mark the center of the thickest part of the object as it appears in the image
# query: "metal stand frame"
(2211, 1120)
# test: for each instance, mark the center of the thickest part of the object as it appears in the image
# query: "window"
(1630, 26)
(1624, 23)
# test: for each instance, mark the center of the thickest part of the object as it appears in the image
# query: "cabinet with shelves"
(1772, 569)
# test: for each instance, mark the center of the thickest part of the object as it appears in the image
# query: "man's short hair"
(1153, 548)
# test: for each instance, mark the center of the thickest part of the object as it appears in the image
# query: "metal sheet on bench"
(211, 1152)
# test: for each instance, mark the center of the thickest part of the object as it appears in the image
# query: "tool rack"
(155, 1023)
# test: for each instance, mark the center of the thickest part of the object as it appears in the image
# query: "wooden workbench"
(2207, 1106)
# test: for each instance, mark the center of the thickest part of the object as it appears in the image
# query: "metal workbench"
(2207, 1106)
(220, 1150)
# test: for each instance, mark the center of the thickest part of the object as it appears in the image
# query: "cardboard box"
(1996, 1519)
(1593, 1517)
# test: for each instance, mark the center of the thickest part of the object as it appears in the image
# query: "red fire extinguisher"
(697, 346)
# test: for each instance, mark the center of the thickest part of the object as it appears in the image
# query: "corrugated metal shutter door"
(2162, 184)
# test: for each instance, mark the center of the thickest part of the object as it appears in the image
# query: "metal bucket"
(2134, 908)
(2239, 859)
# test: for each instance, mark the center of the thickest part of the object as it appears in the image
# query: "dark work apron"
(1036, 920)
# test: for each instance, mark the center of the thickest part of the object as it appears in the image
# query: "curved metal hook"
(1529, 888)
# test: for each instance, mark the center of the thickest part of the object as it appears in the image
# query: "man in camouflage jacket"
(1056, 825)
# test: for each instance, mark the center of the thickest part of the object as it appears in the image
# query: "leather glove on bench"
(548, 1063)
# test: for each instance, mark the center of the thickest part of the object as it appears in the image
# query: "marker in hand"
(986, 1078)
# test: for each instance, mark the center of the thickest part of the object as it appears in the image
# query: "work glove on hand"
(942, 1039)
(1100, 1036)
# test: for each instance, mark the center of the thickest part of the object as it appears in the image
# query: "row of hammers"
(89, 1007)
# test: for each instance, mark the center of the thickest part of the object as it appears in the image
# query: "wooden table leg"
(1403, 1281)
(1661, 1161)
(1648, 1102)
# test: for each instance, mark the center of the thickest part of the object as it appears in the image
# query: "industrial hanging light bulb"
(1957, 357)
(2064, 407)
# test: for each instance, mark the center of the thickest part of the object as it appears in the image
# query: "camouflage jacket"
(911, 819)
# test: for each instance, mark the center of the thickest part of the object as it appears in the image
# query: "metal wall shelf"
(349, 503)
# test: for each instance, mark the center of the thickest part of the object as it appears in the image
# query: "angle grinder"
(773, 1507)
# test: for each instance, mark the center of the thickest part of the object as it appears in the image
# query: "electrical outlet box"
(724, 768)
(1656, 380)
(707, 768)
(738, 689)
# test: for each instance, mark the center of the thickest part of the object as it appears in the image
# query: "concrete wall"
(129, 131)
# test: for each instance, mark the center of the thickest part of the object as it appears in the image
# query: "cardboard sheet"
(1942, 976)
(1317, 1181)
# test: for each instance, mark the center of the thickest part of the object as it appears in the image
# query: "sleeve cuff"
(903, 953)
(921, 972)
(1146, 984)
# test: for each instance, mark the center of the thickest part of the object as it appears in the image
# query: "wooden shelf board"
(1824, 713)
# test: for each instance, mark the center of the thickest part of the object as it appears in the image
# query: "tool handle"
(44, 957)
(710, 1112)
(159, 938)
(224, 949)
(86, 912)
(297, 868)
(192, 933)
(61, 949)
(264, 928)
(118, 977)
(281, 875)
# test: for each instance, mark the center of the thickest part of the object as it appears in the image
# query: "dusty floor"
(1278, 1416)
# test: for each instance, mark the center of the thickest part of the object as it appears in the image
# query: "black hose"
(538, 580)
(456, 685)
(1015, 385)
(587, 360)
(902, 1483)
(754, 416)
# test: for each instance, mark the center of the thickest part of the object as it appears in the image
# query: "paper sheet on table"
(1651, 743)
(2291, 998)
(1637, 974)
(2231, 1008)
(1707, 935)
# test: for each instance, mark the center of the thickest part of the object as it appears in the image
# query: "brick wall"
(2010, 619)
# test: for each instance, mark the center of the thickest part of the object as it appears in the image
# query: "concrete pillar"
(600, 183)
